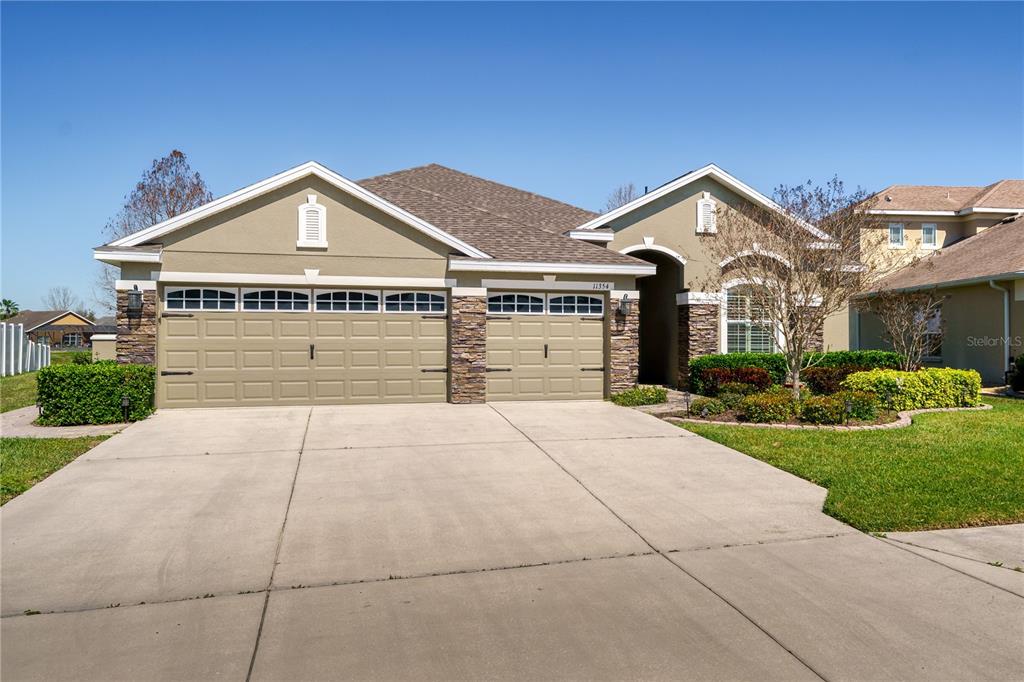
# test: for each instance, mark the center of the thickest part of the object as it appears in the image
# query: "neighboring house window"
(896, 235)
(575, 305)
(413, 302)
(275, 299)
(746, 329)
(348, 302)
(312, 224)
(928, 235)
(201, 299)
(72, 340)
(515, 303)
(706, 214)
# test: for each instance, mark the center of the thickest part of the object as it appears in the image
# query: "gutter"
(1006, 320)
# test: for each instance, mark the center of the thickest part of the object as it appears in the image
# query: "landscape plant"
(641, 395)
(926, 388)
(92, 394)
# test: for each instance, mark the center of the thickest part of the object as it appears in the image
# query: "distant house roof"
(33, 319)
(1004, 194)
(995, 252)
(507, 223)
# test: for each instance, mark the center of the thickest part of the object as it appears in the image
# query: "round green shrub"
(770, 406)
(706, 407)
(823, 409)
(641, 395)
(731, 400)
(738, 387)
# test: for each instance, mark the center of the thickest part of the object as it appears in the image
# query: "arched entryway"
(659, 321)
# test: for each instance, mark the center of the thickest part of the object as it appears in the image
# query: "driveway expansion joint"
(903, 547)
(664, 556)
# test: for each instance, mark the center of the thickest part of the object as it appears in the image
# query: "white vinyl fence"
(19, 355)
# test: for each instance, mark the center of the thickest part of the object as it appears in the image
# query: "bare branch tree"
(911, 320)
(620, 196)
(61, 298)
(799, 262)
(170, 187)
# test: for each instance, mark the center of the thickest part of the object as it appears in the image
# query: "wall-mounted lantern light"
(624, 305)
(135, 302)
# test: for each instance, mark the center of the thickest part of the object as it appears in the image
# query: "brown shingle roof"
(505, 222)
(995, 251)
(1002, 194)
(35, 318)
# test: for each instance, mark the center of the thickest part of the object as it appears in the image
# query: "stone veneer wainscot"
(136, 336)
(467, 349)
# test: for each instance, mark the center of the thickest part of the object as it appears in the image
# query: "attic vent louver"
(312, 224)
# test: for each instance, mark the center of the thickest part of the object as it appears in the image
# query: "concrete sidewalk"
(505, 541)
(18, 424)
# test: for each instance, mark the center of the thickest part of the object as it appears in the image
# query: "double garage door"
(229, 347)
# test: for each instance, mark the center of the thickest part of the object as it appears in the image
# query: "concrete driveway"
(515, 540)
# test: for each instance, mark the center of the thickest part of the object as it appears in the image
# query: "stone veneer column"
(699, 325)
(623, 344)
(136, 336)
(467, 349)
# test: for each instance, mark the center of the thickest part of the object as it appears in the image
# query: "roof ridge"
(986, 192)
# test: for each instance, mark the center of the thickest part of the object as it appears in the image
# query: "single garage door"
(224, 347)
(545, 347)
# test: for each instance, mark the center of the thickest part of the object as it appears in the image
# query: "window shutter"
(312, 224)
(706, 217)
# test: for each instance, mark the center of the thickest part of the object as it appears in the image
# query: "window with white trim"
(344, 301)
(413, 302)
(312, 224)
(71, 340)
(575, 305)
(515, 303)
(933, 337)
(275, 299)
(707, 217)
(928, 235)
(896, 235)
(201, 299)
(747, 331)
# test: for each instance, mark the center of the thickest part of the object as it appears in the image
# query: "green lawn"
(26, 461)
(947, 470)
(17, 391)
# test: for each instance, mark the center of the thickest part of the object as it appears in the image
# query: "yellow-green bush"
(641, 395)
(770, 406)
(931, 387)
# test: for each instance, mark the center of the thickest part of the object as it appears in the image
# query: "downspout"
(1006, 322)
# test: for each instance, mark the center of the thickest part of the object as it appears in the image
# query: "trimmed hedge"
(91, 394)
(929, 387)
(774, 406)
(829, 380)
(831, 409)
(641, 395)
(775, 363)
(717, 377)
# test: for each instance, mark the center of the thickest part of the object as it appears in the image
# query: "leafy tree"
(169, 188)
(8, 309)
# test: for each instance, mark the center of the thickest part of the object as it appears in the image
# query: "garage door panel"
(517, 342)
(248, 358)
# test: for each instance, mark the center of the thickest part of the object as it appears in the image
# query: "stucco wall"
(837, 330)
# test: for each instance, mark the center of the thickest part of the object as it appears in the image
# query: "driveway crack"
(277, 550)
(657, 551)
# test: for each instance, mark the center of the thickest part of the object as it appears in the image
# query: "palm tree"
(8, 308)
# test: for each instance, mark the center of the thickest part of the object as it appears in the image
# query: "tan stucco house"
(428, 284)
(981, 277)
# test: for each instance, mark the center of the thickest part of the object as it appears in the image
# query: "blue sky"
(567, 100)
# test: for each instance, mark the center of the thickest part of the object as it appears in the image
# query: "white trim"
(311, 277)
(200, 287)
(902, 244)
(589, 236)
(710, 169)
(129, 284)
(284, 178)
(127, 256)
(469, 291)
(532, 294)
(756, 251)
(103, 337)
(376, 292)
(698, 298)
(961, 212)
(982, 209)
(723, 315)
(935, 236)
(546, 286)
(527, 266)
(250, 290)
(706, 200)
(654, 247)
